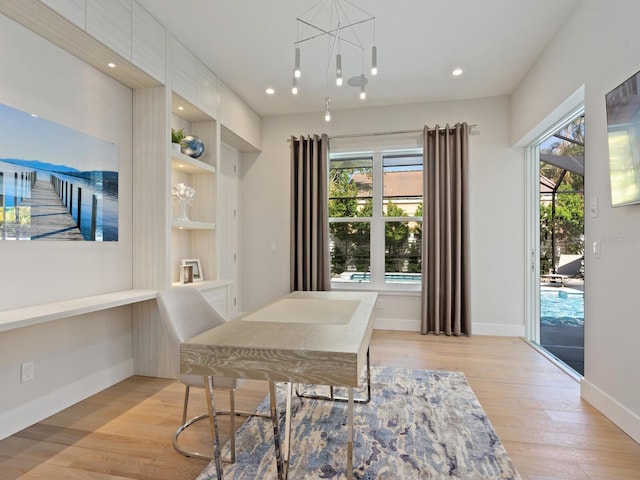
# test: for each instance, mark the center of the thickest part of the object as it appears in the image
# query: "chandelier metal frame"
(339, 25)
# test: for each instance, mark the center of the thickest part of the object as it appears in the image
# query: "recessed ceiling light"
(457, 72)
(111, 65)
(180, 107)
(270, 91)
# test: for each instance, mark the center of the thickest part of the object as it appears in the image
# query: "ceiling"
(249, 45)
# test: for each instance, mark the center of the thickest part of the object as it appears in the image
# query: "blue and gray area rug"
(419, 425)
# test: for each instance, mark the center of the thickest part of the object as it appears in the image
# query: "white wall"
(39, 77)
(496, 202)
(77, 356)
(598, 48)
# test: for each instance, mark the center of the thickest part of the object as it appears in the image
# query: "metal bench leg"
(232, 412)
(208, 385)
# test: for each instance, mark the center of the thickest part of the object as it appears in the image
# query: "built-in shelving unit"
(195, 238)
(182, 162)
(171, 88)
(190, 225)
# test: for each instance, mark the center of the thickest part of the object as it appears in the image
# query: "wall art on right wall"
(623, 130)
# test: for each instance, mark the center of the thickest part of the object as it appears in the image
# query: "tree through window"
(375, 219)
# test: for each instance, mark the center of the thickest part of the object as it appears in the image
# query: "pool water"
(559, 307)
(362, 277)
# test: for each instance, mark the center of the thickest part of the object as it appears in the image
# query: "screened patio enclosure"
(562, 245)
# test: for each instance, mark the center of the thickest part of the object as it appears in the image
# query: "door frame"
(532, 226)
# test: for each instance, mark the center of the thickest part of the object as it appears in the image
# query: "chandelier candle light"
(184, 194)
(342, 23)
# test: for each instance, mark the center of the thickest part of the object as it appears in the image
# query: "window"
(375, 219)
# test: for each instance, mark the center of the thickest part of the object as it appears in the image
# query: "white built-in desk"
(150, 356)
(48, 312)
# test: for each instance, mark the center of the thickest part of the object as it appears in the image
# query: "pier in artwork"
(38, 214)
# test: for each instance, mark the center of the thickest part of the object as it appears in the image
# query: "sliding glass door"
(557, 255)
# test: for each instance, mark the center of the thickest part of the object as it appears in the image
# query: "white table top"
(312, 337)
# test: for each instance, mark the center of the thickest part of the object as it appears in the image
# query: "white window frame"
(377, 222)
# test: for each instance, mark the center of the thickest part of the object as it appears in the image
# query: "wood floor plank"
(144, 448)
(11, 470)
(125, 432)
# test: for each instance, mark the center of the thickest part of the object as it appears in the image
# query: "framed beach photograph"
(56, 183)
(197, 269)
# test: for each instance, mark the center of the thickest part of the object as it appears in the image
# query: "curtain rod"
(397, 132)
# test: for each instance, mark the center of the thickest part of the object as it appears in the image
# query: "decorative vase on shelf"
(184, 195)
(176, 147)
(183, 217)
(192, 146)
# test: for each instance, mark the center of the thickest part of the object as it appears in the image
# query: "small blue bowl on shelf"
(192, 146)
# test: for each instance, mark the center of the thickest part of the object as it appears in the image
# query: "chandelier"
(345, 27)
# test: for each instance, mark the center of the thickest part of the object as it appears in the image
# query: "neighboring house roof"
(403, 183)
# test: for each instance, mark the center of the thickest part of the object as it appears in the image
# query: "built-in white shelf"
(48, 312)
(180, 225)
(205, 284)
(184, 163)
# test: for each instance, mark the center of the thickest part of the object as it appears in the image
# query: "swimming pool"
(365, 277)
(561, 307)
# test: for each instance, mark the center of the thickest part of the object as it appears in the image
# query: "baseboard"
(19, 418)
(624, 418)
(403, 324)
(410, 325)
(497, 329)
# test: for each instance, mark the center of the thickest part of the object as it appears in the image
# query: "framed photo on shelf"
(197, 269)
(186, 274)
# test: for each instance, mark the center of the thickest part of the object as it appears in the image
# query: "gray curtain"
(309, 214)
(445, 248)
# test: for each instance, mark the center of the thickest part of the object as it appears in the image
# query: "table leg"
(282, 464)
(350, 435)
(287, 425)
(213, 418)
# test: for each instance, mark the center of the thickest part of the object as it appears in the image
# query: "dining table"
(317, 338)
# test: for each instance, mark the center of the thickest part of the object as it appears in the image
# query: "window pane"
(402, 182)
(349, 248)
(403, 252)
(350, 187)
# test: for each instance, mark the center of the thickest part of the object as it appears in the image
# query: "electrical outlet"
(27, 372)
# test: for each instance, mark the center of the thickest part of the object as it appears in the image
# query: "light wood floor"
(125, 431)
